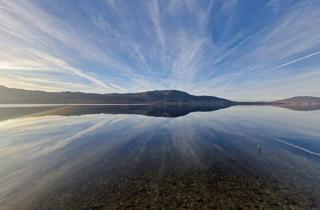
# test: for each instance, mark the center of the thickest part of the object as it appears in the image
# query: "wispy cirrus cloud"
(226, 48)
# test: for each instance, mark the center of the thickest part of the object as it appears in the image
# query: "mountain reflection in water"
(95, 157)
(70, 110)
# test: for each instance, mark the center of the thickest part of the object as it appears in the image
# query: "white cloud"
(117, 46)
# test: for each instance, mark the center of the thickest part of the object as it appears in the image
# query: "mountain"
(299, 100)
(19, 96)
(157, 97)
(299, 103)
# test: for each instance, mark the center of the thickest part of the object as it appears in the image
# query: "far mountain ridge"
(299, 103)
(300, 99)
(20, 96)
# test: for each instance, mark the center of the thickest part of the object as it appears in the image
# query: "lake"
(137, 157)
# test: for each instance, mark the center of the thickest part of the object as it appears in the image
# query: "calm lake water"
(141, 158)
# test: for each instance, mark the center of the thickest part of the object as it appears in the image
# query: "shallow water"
(242, 156)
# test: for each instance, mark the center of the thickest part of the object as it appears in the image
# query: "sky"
(236, 49)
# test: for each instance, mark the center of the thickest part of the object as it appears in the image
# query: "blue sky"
(237, 49)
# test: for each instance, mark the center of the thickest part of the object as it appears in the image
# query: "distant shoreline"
(51, 105)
